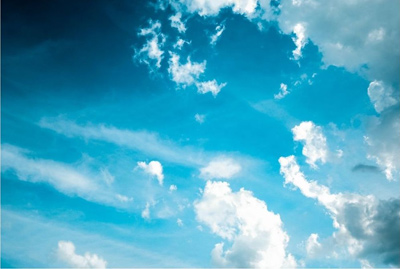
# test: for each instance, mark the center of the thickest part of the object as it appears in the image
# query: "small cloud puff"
(381, 95)
(199, 118)
(282, 91)
(66, 253)
(221, 168)
(210, 86)
(153, 168)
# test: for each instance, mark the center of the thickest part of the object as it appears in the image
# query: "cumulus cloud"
(367, 228)
(282, 91)
(66, 253)
(299, 40)
(177, 23)
(199, 118)
(383, 142)
(315, 148)
(220, 168)
(210, 86)
(219, 30)
(213, 7)
(151, 53)
(381, 95)
(185, 74)
(153, 168)
(255, 233)
(365, 42)
(173, 187)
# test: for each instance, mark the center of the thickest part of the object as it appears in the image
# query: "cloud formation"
(367, 228)
(315, 148)
(153, 168)
(66, 253)
(282, 91)
(256, 235)
(381, 95)
(210, 86)
(219, 30)
(177, 23)
(220, 168)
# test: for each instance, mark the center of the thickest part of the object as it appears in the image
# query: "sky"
(200, 133)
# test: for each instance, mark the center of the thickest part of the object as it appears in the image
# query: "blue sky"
(248, 133)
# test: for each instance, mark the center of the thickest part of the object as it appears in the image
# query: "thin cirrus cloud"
(66, 253)
(64, 177)
(254, 233)
(362, 222)
(220, 168)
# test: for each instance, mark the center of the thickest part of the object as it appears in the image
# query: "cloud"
(177, 23)
(199, 118)
(124, 198)
(210, 86)
(66, 253)
(363, 223)
(381, 95)
(143, 141)
(220, 168)
(173, 187)
(383, 141)
(314, 141)
(219, 30)
(146, 212)
(185, 74)
(179, 43)
(365, 168)
(63, 177)
(365, 42)
(256, 234)
(153, 168)
(299, 40)
(151, 53)
(213, 7)
(282, 91)
(179, 222)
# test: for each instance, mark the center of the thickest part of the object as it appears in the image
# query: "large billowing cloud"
(367, 228)
(315, 148)
(66, 252)
(254, 234)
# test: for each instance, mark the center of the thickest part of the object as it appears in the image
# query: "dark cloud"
(366, 168)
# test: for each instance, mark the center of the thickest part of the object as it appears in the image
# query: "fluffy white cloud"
(199, 118)
(151, 52)
(219, 30)
(153, 168)
(213, 7)
(299, 40)
(362, 222)
(314, 141)
(220, 168)
(66, 253)
(381, 95)
(173, 187)
(177, 23)
(185, 74)
(256, 233)
(369, 37)
(282, 91)
(210, 86)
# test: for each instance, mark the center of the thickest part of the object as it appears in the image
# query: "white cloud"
(299, 40)
(177, 23)
(66, 253)
(315, 148)
(257, 237)
(210, 86)
(367, 38)
(124, 198)
(173, 187)
(213, 7)
(146, 212)
(199, 118)
(185, 74)
(179, 222)
(146, 142)
(151, 52)
(108, 178)
(153, 168)
(219, 30)
(179, 43)
(381, 95)
(362, 222)
(282, 91)
(67, 179)
(220, 168)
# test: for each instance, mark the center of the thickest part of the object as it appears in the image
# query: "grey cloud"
(366, 168)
